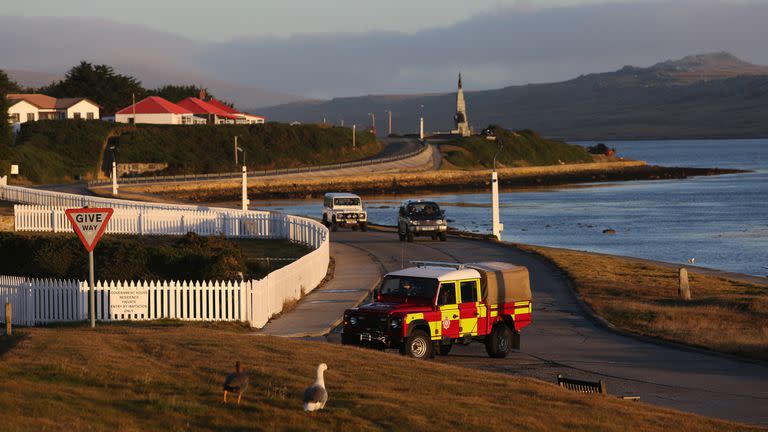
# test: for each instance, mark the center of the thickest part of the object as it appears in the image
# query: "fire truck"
(426, 309)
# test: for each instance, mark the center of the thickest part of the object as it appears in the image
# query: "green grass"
(138, 378)
(521, 148)
(55, 151)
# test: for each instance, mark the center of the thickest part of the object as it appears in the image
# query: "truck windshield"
(347, 201)
(409, 287)
(424, 210)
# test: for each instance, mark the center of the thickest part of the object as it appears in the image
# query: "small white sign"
(14, 169)
(128, 304)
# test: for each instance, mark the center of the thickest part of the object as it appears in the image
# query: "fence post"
(8, 319)
(684, 290)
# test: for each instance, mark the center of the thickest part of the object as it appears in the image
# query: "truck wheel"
(325, 221)
(445, 349)
(364, 226)
(347, 339)
(499, 342)
(409, 237)
(354, 227)
(418, 346)
(434, 237)
(334, 225)
(443, 236)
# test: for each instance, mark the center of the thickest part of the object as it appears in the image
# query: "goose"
(236, 382)
(315, 396)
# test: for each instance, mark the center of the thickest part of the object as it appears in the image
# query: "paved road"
(562, 340)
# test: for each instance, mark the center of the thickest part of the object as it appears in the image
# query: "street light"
(390, 120)
(373, 121)
(421, 122)
(245, 201)
(496, 226)
(114, 170)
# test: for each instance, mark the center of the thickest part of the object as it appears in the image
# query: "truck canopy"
(503, 282)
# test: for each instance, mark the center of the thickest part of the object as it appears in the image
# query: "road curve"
(562, 339)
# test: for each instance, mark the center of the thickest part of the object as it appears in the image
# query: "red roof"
(199, 106)
(221, 105)
(154, 105)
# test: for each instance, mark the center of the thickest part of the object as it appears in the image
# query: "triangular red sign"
(89, 224)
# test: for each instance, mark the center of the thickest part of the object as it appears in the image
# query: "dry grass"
(385, 182)
(137, 378)
(725, 315)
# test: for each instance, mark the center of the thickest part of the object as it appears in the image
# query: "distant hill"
(709, 95)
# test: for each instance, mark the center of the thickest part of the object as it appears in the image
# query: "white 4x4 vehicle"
(345, 210)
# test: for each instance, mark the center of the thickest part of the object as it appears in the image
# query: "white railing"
(42, 301)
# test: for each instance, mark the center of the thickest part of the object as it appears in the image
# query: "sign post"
(89, 225)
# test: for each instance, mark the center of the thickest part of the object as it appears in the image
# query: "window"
(404, 286)
(346, 202)
(15, 118)
(469, 292)
(62, 115)
(447, 294)
(89, 116)
(30, 116)
(76, 116)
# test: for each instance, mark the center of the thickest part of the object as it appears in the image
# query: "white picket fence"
(37, 301)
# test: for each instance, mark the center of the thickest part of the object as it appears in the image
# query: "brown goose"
(236, 382)
(315, 396)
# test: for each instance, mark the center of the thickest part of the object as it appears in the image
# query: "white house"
(156, 110)
(241, 118)
(33, 107)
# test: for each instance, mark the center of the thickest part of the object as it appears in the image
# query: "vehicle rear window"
(347, 201)
(403, 286)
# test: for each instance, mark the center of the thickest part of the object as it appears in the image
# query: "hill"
(130, 377)
(711, 96)
(55, 151)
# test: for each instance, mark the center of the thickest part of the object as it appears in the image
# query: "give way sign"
(89, 224)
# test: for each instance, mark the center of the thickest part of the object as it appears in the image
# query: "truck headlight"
(441, 222)
(353, 320)
(362, 215)
(413, 222)
(396, 323)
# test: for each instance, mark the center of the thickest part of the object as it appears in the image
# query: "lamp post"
(114, 171)
(354, 132)
(497, 227)
(236, 149)
(421, 122)
(389, 112)
(373, 122)
(245, 201)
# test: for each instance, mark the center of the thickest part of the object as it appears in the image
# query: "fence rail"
(38, 301)
(260, 173)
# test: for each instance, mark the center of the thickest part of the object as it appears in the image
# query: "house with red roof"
(26, 107)
(156, 110)
(212, 114)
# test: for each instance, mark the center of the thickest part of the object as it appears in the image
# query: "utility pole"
(497, 227)
(390, 121)
(354, 128)
(133, 99)
(114, 171)
(236, 164)
(421, 122)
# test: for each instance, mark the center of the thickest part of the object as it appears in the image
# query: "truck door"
(471, 310)
(449, 309)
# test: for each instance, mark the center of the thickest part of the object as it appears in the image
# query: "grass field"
(725, 315)
(169, 377)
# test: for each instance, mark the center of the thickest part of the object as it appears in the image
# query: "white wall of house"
(23, 109)
(83, 108)
(165, 118)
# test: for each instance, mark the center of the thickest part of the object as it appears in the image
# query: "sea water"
(718, 221)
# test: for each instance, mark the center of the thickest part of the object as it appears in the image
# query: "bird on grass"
(315, 396)
(236, 382)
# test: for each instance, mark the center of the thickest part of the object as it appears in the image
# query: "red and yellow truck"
(424, 310)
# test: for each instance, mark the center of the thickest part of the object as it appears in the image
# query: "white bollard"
(497, 226)
(114, 178)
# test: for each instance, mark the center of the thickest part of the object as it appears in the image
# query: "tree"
(6, 86)
(176, 93)
(111, 90)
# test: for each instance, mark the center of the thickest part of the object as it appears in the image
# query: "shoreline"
(428, 182)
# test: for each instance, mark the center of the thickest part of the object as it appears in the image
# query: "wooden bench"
(581, 386)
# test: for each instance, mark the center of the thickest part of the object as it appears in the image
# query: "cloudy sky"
(225, 20)
(336, 48)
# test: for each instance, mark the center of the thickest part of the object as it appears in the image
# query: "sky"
(231, 19)
(336, 48)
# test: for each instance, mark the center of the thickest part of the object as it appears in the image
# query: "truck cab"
(426, 309)
(344, 210)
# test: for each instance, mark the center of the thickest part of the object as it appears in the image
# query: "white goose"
(315, 396)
